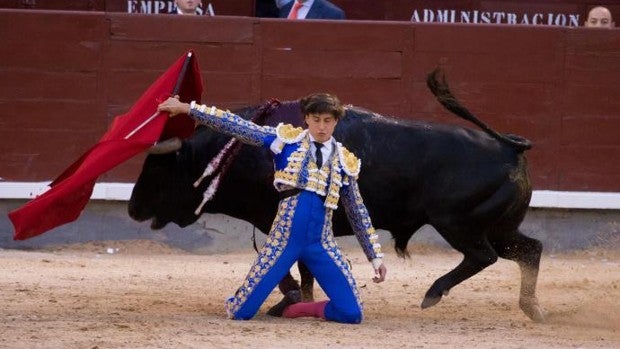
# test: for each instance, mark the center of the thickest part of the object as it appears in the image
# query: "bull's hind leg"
(526, 252)
(477, 255)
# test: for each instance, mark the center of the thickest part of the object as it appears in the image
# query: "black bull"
(471, 186)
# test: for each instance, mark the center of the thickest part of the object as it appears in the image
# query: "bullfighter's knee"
(347, 316)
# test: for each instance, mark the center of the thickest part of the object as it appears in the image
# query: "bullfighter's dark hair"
(320, 103)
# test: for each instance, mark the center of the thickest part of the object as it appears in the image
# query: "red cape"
(128, 136)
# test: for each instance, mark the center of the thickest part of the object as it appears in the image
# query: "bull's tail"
(446, 98)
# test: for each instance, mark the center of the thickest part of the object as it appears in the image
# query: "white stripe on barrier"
(122, 192)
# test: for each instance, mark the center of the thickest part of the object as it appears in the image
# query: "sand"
(141, 294)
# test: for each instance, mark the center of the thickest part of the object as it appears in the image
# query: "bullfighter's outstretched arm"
(222, 121)
(233, 125)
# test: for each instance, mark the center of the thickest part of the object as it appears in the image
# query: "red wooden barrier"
(65, 75)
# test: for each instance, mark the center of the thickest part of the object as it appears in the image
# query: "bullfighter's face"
(321, 126)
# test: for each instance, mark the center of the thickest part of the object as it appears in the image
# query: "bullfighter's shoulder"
(351, 164)
(289, 134)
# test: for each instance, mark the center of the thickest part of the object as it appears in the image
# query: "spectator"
(187, 7)
(311, 9)
(599, 17)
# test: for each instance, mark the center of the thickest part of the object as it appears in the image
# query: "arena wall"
(67, 74)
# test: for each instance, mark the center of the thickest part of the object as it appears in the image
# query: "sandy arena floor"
(146, 295)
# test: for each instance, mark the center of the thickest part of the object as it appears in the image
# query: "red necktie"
(296, 7)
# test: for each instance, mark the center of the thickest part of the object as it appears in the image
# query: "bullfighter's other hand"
(380, 274)
(173, 106)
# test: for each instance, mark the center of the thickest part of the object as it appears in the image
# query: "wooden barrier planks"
(50, 93)
(77, 71)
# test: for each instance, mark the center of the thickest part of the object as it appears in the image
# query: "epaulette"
(289, 134)
(350, 163)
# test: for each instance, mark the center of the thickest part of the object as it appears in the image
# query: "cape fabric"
(128, 135)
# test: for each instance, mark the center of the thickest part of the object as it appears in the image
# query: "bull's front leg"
(290, 288)
(307, 283)
(292, 292)
(288, 283)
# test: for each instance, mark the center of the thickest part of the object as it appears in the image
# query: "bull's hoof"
(531, 308)
(307, 295)
(291, 297)
(433, 297)
(429, 302)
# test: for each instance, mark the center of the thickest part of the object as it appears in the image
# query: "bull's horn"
(165, 147)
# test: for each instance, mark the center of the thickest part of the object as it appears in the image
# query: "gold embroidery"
(350, 163)
(288, 133)
(315, 179)
(274, 246)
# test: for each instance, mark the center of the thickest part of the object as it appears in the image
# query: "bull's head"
(164, 191)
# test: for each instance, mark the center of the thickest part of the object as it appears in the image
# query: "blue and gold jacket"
(294, 168)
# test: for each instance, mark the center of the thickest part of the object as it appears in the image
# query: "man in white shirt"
(188, 7)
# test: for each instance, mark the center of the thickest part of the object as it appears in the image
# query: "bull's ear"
(168, 146)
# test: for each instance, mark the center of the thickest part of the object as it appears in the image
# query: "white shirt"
(280, 3)
(179, 12)
(326, 150)
(303, 10)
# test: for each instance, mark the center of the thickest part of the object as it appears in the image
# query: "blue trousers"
(301, 232)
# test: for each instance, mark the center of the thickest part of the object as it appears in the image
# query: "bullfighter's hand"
(380, 274)
(173, 106)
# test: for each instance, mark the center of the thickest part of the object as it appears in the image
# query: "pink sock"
(315, 309)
